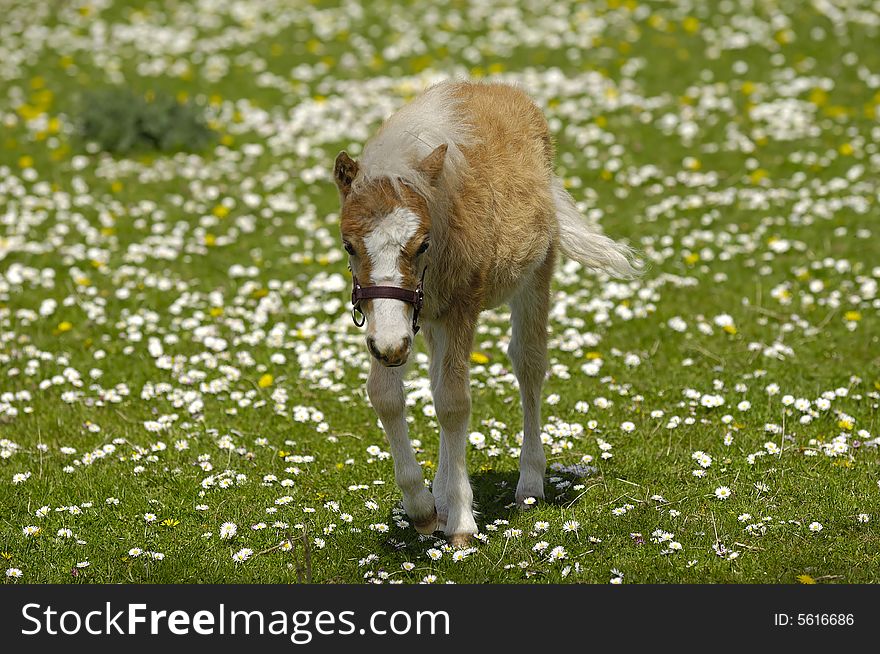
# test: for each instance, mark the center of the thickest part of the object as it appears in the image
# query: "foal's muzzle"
(390, 358)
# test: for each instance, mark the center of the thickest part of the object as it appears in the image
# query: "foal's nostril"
(371, 345)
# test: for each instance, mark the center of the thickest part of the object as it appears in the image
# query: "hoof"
(427, 526)
(441, 521)
(459, 540)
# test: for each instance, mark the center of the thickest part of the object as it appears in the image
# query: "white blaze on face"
(390, 321)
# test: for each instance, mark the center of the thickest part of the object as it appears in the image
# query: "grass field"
(182, 390)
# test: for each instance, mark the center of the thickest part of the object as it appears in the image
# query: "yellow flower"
(852, 316)
(818, 97)
(265, 381)
(29, 112)
(836, 111)
(806, 579)
(210, 239)
(730, 329)
(479, 357)
(216, 312)
(220, 211)
(64, 326)
(657, 22)
(170, 522)
(846, 149)
(692, 258)
(25, 162)
(757, 175)
(784, 36)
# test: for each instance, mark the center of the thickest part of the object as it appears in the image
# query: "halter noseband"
(359, 293)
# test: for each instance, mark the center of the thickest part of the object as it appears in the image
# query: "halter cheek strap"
(414, 297)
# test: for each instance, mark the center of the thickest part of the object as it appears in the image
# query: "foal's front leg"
(452, 401)
(436, 340)
(385, 389)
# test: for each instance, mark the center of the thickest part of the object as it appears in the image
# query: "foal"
(454, 208)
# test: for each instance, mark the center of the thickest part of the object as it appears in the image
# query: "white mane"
(410, 135)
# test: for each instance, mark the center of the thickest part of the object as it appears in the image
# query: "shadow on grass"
(494, 496)
(494, 499)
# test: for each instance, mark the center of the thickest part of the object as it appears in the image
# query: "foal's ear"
(432, 165)
(344, 171)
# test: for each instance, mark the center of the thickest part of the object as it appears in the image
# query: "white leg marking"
(385, 388)
(436, 339)
(452, 401)
(528, 354)
(439, 486)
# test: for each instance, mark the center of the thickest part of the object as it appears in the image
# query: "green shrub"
(121, 121)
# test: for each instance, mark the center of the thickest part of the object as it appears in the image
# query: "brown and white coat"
(461, 180)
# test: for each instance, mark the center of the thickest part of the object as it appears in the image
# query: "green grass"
(141, 248)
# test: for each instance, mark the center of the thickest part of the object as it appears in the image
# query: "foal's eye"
(348, 247)
(423, 247)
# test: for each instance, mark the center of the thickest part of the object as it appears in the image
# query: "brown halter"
(359, 293)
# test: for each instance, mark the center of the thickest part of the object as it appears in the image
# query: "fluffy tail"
(584, 243)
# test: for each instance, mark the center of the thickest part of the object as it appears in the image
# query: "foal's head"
(386, 231)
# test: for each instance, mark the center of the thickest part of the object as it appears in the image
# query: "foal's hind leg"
(452, 400)
(385, 388)
(528, 354)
